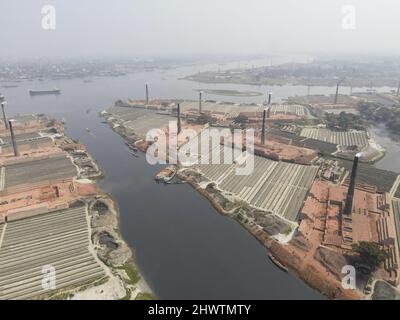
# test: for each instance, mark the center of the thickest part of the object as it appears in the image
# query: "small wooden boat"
(166, 175)
(277, 263)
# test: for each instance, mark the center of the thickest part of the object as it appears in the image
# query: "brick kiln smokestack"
(350, 192)
(263, 128)
(337, 92)
(4, 116)
(179, 118)
(14, 143)
(147, 93)
(200, 101)
(269, 97)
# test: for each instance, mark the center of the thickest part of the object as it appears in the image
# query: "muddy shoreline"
(329, 287)
(282, 255)
(123, 279)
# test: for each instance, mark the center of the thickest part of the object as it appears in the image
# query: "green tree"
(371, 253)
(241, 119)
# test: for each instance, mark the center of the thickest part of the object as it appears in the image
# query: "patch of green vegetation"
(389, 116)
(287, 232)
(306, 122)
(273, 81)
(62, 296)
(371, 253)
(344, 121)
(118, 232)
(145, 296)
(131, 272)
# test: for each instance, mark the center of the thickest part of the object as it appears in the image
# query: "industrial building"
(273, 186)
(139, 120)
(58, 240)
(227, 109)
(38, 171)
(343, 138)
(29, 143)
(46, 185)
(31, 136)
(325, 221)
(230, 110)
(296, 109)
(25, 124)
(41, 184)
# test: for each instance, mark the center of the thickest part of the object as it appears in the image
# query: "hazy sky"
(107, 28)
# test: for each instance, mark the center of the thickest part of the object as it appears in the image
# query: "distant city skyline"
(178, 28)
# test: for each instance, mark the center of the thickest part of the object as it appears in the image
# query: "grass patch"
(62, 296)
(131, 272)
(145, 296)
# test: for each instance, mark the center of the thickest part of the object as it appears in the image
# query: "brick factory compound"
(295, 201)
(53, 217)
(311, 196)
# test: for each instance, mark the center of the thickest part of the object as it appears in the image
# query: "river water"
(392, 149)
(183, 247)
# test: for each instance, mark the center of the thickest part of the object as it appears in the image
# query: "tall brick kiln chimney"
(350, 193)
(263, 128)
(14, 143)
(337, 92)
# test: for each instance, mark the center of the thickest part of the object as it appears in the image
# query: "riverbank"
(154, 227)
(54, 215)
(319, 280)
(231, 93)
(125, 280)
(274, 232)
